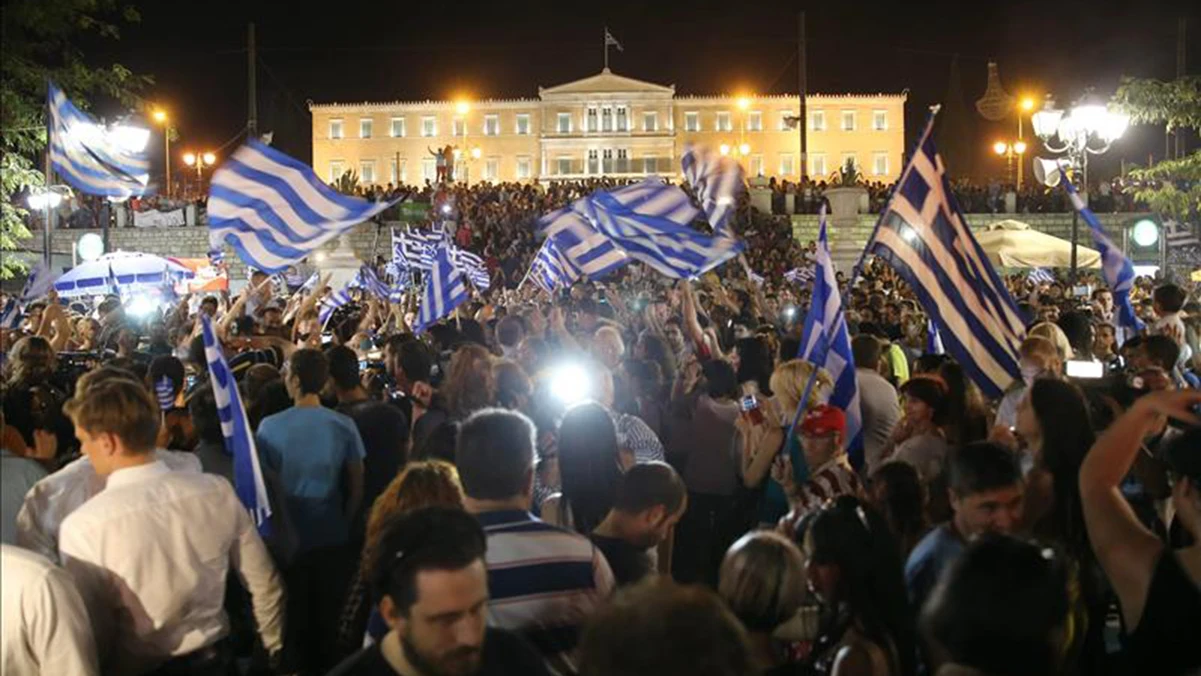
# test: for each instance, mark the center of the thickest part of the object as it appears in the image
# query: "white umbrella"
(1013, 244)
(120, 271)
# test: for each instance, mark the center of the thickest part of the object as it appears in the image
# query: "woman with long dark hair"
(896, 490)
(965, 413)
(590, 469)
(854, 567)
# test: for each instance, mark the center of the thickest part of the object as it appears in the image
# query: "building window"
(623, 119)
(817, 166)
(564, 166)
(786, 165)
(756, 165)
(564, 124)
(785, 115)
(491, 125)
(692, 121)
(458, 127)
(523, 124)
(367, 172)
(880, 120)
(848, 120)
(335, 170)
(401, 175)
(590, 116)
(490, 168)
(365, 127)
(607, 161)
(880, 164)
(335, 129)
(428, 171)
(593, 162)
(754, 121)
(623, 161)
(606, 119)
(723, 121)
(398, 127)
(650, 165)
(523, 166)
(848, 157)
(650, 121)
(817, 120)
(429, 126)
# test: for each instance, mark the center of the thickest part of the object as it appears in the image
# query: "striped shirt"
(831, 480)
(544, 583)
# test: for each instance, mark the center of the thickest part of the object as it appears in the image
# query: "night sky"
(355, 51)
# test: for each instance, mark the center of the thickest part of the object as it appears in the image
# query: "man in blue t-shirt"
(986, 490)
(318, 456)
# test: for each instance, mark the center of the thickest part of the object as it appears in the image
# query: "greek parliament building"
(607, 125)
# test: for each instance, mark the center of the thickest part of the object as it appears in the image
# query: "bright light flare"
(570, 383)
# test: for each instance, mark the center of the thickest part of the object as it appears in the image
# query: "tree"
(1171, 187)
(40, 38)
(347, 183)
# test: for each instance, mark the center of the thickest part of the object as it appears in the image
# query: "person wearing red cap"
(822, 433)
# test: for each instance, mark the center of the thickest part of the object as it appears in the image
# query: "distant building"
(607, 125)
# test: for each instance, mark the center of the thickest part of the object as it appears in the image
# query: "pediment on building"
(606, 82)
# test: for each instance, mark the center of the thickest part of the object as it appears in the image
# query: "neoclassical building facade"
(609, 125)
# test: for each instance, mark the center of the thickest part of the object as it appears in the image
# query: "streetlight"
(462, 108)
(725, 149)
(46, 199)
(1087, 129)
(200, 161)
(744, 149)
(1011, 151)
(160, 116)
(744, 104)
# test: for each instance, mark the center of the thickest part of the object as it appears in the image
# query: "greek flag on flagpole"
(10, 314)
(825, 343)
(610, 40)
(1115, 266)
(551, 269)
(799, 276)
(370, 282)
(933, 339)
(922, 234)
(472, 266)
(1041, 276)
(416, 247)
(95, 160)
(239, 442)
(326, 306)
(444, 290)
(716, 181)
(576, 241)
(274, 211)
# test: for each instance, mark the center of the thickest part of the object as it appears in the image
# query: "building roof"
(604, 82)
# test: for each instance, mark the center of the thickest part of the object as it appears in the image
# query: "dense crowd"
(613, 480)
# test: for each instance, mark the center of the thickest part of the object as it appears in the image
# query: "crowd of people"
(627, 477)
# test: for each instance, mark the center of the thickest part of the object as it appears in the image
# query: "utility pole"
(803, 81)
(252, 109)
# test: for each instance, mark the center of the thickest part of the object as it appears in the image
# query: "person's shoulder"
(506, 652)
(939, 543)
(366, 662)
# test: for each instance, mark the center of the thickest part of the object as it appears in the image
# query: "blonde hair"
(427, 483)
(121, 407)
(763, 580)
(788, 383)
(1058, 338)
(31, 361)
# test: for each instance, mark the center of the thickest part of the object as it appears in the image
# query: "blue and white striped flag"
(717, 182)
(95, 160)
(472, 266)
(799, 276)
(552, 270)
(444, 290)
(1041, 276)
(370, 282)
(825, 343)
(417, 247)
(650, 221)
(922, 234)
(1115, 266)
(327, 305)
(38, 284)
(11, 314)
(239, 442)
(933, 339)
(589, 252)
(274, 211)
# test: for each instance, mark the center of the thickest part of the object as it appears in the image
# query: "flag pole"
(606, 41)
(47, 237)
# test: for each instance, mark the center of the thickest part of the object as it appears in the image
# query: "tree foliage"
(40, 43)
(347, 183)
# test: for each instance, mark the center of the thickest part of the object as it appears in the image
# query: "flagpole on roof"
(47, 238)
(908, 168)
(606, 40)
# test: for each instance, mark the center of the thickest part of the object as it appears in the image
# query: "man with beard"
(432, 585)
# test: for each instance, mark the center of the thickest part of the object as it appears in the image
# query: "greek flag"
(40, 281)
(933, 339)
(551, 269)
(1115, 266)
(327, 305)
(1041, 276)
(923, 236)
(95, 160)
(825, 343)
(274, 211)
(472, 266)
(370, 282)
(10, 314)
(417, 247)
(444, 290)
(799, 276)
(239, 442)
(650, 222)
(588, 251)
(716, 181)
(610, 40)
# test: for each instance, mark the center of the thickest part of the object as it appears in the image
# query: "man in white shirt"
(878, 400)
(150, 553)
(44, 626)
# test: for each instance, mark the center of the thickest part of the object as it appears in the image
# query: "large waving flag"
(274, 211)
(923, 236)
(444, 290)
(1115, 266)
(551, 269)
(826, 343)
(472, 266)
(716, 180)
(95, 160)
(588, 251)
(239, 442)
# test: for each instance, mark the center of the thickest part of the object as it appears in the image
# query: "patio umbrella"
(120, 272)
(1013, 244)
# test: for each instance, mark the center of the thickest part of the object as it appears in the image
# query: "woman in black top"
(1159, 589)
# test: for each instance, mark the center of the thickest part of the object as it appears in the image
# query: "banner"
(158, 219)
(414, 211)
(208, 277)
